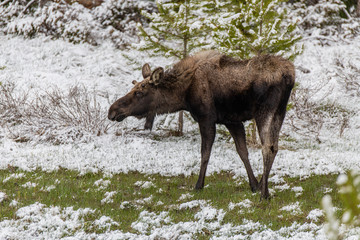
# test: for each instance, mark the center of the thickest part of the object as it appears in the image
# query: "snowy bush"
(11, 103)
(347, 71)
(113, 20)
(313, 109)
(323, 19)
(73, 22)
(52, 116)
(308, 117)
(120, 18)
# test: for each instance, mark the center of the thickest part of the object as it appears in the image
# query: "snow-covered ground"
(40, 64)
(43, 222)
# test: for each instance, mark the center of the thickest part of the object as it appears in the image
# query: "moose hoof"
(268, 198)
(254, 186)
(254, 189)
(265, 196)
(148, 127)
(198, 187)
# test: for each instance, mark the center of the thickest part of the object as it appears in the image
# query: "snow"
(39, 64)
(246, 204)
(315, 214)
(29, 185)
(2, 196)
(193, 204)
(37, 221)
(298, 191)
(13, 203)
(282, 187)
(14, 176)
(294, 208)
(185, 196)
(48, 189)
(102, 184)
(105, 222)
(108, 197)
(144, 184)
(148, 220)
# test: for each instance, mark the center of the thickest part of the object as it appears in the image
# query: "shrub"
(112, 20)
(323, 19)
(52, 116)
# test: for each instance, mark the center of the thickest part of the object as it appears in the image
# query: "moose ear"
(157, 75)
(146, 70)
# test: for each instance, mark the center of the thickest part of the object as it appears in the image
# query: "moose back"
(217, 89)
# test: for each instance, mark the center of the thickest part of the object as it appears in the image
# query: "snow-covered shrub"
(73, 22)
(301, 115)
(120, 18)
(347, 72)
(308, 117)
(11, 104)
(52, 116)
(113, 20)
(323, 19)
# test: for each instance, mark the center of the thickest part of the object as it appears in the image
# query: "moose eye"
(139, 94)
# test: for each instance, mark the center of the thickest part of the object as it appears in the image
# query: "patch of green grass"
(71, 189)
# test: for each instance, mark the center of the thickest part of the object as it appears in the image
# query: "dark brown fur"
(217, 89)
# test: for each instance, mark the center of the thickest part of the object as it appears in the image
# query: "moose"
(218, 89)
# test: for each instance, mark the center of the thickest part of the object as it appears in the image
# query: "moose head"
(143, 98)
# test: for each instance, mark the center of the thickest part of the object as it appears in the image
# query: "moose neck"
(173, 90)
(170, 100)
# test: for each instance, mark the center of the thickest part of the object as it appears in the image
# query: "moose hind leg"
(269, 128)
(237, 131)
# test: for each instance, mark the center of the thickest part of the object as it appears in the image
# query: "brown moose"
(216, 88)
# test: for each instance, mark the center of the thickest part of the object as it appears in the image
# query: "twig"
(27, 6)
(4, 3)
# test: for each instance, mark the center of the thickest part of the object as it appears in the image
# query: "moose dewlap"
(217, 89)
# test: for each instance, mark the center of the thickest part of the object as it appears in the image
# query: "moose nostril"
(112, 115)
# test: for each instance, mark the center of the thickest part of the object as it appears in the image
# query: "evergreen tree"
(176, 30)
(248, 28)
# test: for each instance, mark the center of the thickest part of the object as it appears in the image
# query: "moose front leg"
(207, 131)
(149, 122)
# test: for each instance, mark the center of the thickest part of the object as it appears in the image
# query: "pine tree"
(176, 30)
(248, 28)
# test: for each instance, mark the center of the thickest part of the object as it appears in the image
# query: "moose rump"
(217, 89)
